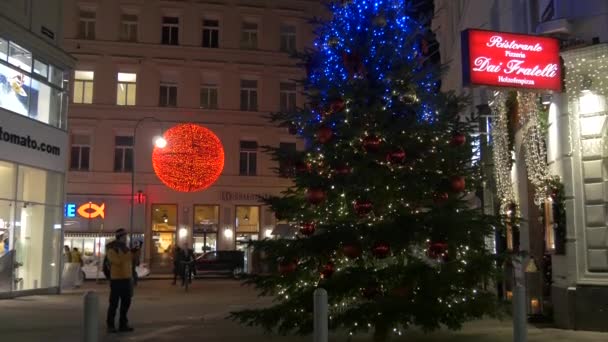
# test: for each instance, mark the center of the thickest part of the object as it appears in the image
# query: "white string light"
(500, 149)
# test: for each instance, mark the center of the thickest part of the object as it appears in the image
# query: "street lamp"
(159, 142)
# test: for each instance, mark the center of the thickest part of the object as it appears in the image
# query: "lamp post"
(159, 142)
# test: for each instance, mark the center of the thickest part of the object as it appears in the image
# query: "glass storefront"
(31, 89)
(206, 223)
(164, 227)
(30, 225)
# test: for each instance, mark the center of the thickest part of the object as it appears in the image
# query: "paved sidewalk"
(162, 312)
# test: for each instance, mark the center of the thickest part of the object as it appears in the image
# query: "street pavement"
(162, 312)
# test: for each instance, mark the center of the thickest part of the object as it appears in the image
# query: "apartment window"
(123, 153)
(168, 95)
(211, 33)
(209, 96)
(287, 96)
(83, 86)
(170, 32)
(86, 28)
(287, 151)
(249, 95)
(80, 153)
(288, 38)
(249, 35)
(126, 89)
(248, 159)
(128, 27)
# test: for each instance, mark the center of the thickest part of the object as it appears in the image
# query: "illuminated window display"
(31, 90)
(206, 223)
(164, 227)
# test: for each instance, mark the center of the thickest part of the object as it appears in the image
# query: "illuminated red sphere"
(192, 160)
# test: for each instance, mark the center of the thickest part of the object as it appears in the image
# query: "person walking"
(178, 257)
(77, 264)
(121, 286)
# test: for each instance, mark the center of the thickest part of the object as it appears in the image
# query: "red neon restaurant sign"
(510, 60)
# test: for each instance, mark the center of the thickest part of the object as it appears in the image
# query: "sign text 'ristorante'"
(502, 59)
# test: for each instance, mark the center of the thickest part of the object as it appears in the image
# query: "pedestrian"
(121, 286)
(67, 255)
(187, 257)
(178, 257)
(77, 265)
(68, 279)
(136, 251)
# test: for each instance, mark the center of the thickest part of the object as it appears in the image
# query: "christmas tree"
(381, 195)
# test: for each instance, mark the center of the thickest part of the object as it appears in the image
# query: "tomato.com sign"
(502, 59)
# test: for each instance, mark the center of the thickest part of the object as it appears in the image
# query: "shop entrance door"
(242, 244)
(205, 242)
(163, 245)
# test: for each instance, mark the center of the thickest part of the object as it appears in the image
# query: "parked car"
(230, 262)
(89, 270)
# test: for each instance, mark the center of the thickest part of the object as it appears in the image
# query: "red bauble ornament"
(457, 183)
(353, 64)
(192, 160)
(328, 269)
(288, 267)
(363, 207)
(308, 228)
(440, 197)
(315, 195)
(343, 169)
(351, 250)
(396, 157)
(324, 134)
(458, 139)
(371, 143)
(381, 250)
(370, 291)
(302, 167)
(337, 106)
(436, 250)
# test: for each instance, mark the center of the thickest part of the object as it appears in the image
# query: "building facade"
(567, 276)
(145, 66)
(33, 146)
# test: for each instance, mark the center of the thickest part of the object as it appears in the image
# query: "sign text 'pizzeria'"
(502, 59)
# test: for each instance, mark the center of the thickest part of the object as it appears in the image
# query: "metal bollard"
(91, 317)
(520, 315)
(320, 333)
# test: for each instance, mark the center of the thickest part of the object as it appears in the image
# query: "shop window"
(86, 27)
(128, 27)
(286, 167)
(205, 227)
(249, 35)
(247, 219)
(126, 89)
(170, 31)
(164, 227)
(3, 49)
(249, 95)
(208, 96)
(56, 76)
(287, 96)
(19, 57)
(248, 158)
(288, 38)
(211, 33)
(168, 95)
(41, 69)
(7, 226)
(80, 153)
(7, 179)
(123, 153)
(39, 186)
(83, 86)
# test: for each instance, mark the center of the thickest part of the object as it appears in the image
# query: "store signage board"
(499, 59)
(88, 210)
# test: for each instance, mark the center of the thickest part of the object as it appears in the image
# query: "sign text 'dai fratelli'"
(510, 60)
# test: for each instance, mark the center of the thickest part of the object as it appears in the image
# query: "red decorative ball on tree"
(328, 270)
(381, 250)
(457, 183)
(308, 228)
(343, 169)
(351, 250)
(371, 291)
(315, 196)
(324, 134)
(192, 160)
(437, 249)
(371, 144)
(396, 157)
(440, 197)
(363, 207)
(287, 267)
(303, 167)
(458, 139)
(337, 106)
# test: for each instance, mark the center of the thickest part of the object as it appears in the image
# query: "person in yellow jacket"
(121, 285)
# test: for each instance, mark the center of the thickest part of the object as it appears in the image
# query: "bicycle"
(187, 275)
